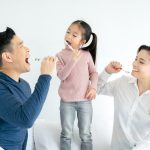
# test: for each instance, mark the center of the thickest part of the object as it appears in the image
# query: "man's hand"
(48, 65)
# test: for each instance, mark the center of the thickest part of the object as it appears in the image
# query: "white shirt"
(131, 129)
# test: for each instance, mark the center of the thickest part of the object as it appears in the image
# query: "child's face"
(141, 65)
(73, 36)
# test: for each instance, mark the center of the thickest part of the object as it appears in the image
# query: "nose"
(68, 36)
(134, 63)
(27, 49)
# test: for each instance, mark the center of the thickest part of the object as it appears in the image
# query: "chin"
(134, 74)
(27, 69)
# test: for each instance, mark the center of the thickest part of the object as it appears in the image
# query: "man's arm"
(24, 115)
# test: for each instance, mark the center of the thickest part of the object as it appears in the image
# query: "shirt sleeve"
(93, 73)
(104, 87)
(64, 69)
(24, 114)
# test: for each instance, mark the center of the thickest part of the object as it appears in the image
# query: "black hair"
(5, 40)
(92, 48)
(143, 47)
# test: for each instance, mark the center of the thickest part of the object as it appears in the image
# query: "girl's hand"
(90, 94)
(113, 67)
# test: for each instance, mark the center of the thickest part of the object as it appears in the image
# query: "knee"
(66, 134)
(85, 137)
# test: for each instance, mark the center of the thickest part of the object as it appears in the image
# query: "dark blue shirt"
(19, 109)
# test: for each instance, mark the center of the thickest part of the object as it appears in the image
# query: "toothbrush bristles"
(37, 59)
(125, 71)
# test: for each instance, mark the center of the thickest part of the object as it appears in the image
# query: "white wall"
(121, 26)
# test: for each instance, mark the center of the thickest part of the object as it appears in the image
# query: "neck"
(143, 85)
(12, 74)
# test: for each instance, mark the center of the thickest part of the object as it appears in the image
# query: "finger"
(116, 65)
(87, 94)
(56, 59)
(51, 59)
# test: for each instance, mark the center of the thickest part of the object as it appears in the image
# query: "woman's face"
(141, 65)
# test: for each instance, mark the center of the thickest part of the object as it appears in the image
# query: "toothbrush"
(69, 45)
(125, 71)
(37, 59)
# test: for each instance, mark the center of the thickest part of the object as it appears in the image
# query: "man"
(18, 107)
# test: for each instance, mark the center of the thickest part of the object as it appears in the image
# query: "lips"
(135, 70)
(68, 43)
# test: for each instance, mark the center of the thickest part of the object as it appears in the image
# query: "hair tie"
(88, 42)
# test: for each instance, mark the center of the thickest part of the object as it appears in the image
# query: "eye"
(74, 35)
(68, 32)
(141, 62)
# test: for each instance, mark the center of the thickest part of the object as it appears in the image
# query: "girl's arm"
(64, 70)
(91, 91)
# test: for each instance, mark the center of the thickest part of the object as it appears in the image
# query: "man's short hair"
(5, 40)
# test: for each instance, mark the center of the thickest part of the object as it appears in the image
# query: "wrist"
(107, 70)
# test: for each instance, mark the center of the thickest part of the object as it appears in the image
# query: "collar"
(133, 80)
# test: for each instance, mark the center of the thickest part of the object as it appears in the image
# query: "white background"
(121, 26)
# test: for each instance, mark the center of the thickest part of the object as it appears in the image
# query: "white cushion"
(30, 143)
(46, 135)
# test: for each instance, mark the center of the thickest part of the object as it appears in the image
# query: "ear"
(83, 42)
(6, 57)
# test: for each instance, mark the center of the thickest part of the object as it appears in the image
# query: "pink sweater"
(76, 76)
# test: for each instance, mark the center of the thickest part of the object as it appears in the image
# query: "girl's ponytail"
(92, 47)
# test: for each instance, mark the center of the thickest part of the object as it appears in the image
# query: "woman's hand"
(113, 67)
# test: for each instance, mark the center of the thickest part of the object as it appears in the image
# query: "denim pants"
(68, 112)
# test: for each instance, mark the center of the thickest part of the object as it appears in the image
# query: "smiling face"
(74, 36)
(141, 65)
(19, 56)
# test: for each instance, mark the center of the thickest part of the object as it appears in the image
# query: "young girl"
(78, 76)
(131, 129)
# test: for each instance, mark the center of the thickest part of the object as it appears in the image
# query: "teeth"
(134, 69)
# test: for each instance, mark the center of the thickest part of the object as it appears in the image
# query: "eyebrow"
(142, 59)
(20, 43)
(73, 32)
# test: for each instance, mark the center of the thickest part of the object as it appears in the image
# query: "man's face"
(20, 56)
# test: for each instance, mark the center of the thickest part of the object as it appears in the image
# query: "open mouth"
(27, 60)
(68, 43)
